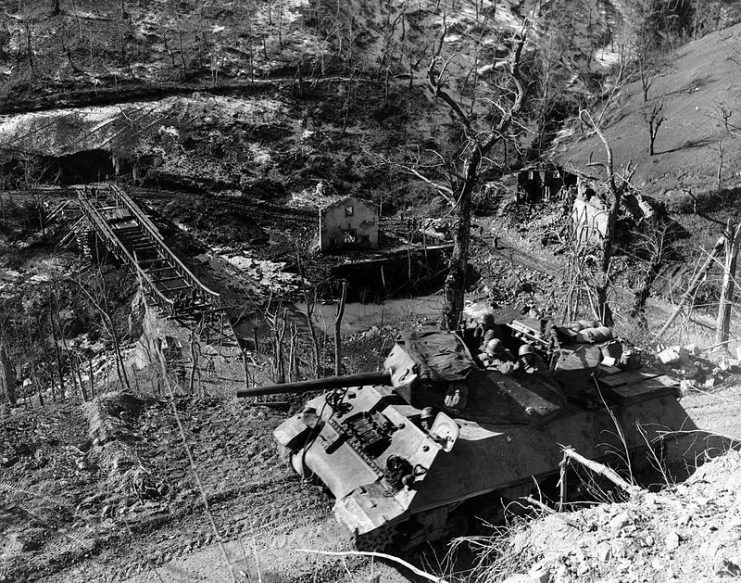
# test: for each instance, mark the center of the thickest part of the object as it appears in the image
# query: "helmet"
(427, 413)
(525, 349)
(488, 320)
(494, 346)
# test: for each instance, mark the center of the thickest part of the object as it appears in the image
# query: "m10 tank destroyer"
(414, 453)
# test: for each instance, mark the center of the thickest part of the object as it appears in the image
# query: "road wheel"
(379, 540)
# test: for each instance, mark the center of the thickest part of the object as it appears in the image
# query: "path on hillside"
(120, 94)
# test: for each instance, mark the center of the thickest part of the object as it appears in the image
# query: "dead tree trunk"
(455, 282)
(731, 245)
(640, 297)
(479, 143)
(338, 331)
(279, 331)
(602, 308)
(7, 378)
(57, 351)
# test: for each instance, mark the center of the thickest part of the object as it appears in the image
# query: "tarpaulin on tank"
(439, 356)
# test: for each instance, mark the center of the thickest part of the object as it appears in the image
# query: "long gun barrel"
(353, 380)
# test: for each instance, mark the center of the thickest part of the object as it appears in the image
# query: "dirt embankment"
(687, 532)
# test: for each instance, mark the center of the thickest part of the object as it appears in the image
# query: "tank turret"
(414, 453)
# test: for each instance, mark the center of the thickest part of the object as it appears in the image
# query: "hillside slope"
(702, 78)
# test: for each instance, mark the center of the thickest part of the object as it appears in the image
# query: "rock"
(684, 519)
(619, 548)
(603, 552)
(539, 575)
(8, 461)
(728, 567)
(619, 521)
(690, 371)
(672, 355)
(692, 349)
(671, 541)
(686, 386)
(518, 579)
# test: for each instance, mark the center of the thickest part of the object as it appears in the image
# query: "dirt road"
(78, 509)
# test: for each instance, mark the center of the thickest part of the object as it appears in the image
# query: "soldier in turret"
(530, 361)
(497, 357)
(486, 330)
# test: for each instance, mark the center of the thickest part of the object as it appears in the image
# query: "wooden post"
(38, 390)
(731, 245)
(562, 482)
(338, 332)
(292, 354)
(57, 350)
(92, 379)
(246, 370)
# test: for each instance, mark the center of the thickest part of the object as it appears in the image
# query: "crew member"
(497, 357)
(530, 361)
(426, 418)
(486, 330)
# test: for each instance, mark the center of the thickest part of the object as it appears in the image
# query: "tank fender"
(292, 433)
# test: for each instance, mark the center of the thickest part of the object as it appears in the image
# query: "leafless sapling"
(653, 114)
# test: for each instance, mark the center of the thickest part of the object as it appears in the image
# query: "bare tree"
(652, 249)
(721, 114)
(29, 48)
(480, 134)
(338, 330)
(651, 66)
(616, 187)
(653, 114)
(732, 240)
(101, 304)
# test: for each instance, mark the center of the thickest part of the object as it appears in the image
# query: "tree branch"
(412, 568)
(436, 86)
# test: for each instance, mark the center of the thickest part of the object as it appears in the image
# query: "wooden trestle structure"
(128, 233)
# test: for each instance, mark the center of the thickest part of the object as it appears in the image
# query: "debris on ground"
(697, 370)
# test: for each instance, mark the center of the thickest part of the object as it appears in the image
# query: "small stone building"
(542, 183)
(350, 223)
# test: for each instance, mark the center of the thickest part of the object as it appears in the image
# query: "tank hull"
(487, 459)
(397, 473)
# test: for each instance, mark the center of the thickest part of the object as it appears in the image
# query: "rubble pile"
(696, 371)
(688, 532)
